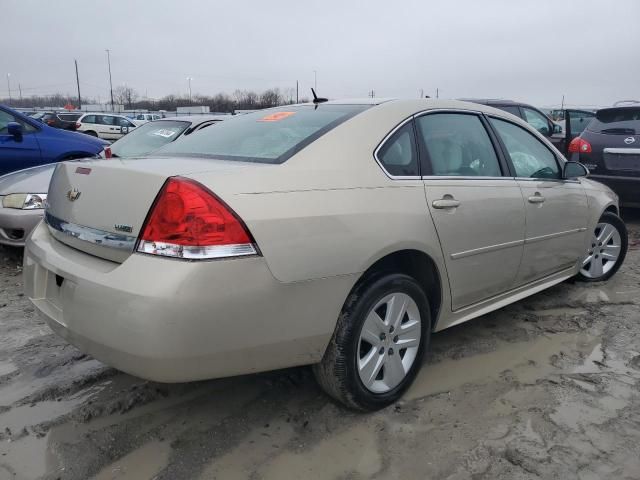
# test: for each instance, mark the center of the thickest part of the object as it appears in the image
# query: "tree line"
(131, 99)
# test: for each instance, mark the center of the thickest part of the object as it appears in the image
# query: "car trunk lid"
(100, 206)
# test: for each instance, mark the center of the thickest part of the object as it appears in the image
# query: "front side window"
(537, 120)
(267, 136)
(398, 155)
(106, 120)
(512, 109)
(6, 118)
(529, 156)
(458, 145)
(89, 119)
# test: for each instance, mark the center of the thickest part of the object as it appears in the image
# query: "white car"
(105, 125)
(146, 117)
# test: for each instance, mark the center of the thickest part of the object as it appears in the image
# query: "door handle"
(536, 198)
(446, 202)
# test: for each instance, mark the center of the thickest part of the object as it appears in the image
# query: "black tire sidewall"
(392, 283)
(615, 221)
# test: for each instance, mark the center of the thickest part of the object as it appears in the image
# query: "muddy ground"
(545, 388)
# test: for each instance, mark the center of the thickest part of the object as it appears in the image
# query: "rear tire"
(91, 133)
(378, 344)
(607, 249)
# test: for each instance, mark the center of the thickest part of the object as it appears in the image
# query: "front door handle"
(446, 202)
(536, 198)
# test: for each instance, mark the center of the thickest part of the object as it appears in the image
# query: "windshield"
(268, 136)
(620, 121)
(148, 138)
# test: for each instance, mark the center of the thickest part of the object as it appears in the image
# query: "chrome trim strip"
(490, 248)
(469, 177)
(94, 236)
(630, 151)
(515, 243)
(546, 180)
(554, 235)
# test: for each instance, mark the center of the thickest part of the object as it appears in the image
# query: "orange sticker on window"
(276, 117)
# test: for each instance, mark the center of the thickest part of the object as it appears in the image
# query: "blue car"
(25, 142)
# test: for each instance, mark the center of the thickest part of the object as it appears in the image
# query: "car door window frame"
(559, 161)
(425, 160)
(389, 136)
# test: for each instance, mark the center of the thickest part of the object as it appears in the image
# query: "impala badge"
(73, 194)
(123, 228)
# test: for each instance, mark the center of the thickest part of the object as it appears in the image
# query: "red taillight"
(579, 145)
(189, 221)
(107, 152)
(78, 124)
(51, 122)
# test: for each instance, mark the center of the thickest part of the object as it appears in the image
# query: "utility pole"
(562, 105)
(78, 83)
(110, 82)
(297, 100)
(189, 80)
(422, 93)
(437, 93)
(9, 87)
(20, 90)
(372, 93)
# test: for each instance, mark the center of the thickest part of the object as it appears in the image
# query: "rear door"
(16, 154)
(556, 209)
(477, 210)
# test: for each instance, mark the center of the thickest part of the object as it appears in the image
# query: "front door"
(477, 210)
(556, 209)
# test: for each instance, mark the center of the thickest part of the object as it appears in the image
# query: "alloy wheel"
(603, 253)
(389, 342)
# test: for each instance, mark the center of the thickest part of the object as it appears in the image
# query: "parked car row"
(343, 234)
(23, 193)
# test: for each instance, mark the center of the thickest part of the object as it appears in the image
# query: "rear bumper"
(627, 188)
(16, 225)
(173, 321)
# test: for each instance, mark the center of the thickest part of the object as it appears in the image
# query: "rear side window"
(616, 121)
(458, 145)
(398, 155)
(529, 156)
(69, 117)
(267, 136)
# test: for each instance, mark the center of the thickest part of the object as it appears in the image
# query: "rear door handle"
(536, 198)
(446, 203)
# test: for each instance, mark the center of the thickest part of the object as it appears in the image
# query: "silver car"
(338, 234)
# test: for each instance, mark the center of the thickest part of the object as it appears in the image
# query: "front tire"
(607, 249)
(378, 344)
(91, 133)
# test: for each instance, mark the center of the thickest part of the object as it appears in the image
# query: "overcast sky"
(535, 51)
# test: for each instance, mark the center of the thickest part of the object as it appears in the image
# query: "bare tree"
(125, 95)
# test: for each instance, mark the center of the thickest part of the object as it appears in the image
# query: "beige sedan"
(339, 234)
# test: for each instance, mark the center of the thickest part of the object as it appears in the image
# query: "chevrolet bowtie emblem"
(73, 194)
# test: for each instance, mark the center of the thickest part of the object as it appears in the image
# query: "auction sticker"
(276, 117)
(163, 132)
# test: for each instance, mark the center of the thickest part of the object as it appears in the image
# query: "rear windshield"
(267, 136)
(148, 138)
(616, 121)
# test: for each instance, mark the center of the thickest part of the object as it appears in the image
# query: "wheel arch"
(416, 264)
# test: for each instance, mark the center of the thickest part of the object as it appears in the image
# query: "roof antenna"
(317, 99)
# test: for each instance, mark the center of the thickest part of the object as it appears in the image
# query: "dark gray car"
(610, 147)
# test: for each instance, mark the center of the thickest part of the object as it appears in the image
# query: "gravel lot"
(545, 388)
